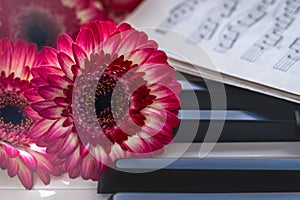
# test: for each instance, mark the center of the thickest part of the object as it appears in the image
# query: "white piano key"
(218, 115)
(236, 150)
(62, 182)
(198, 196)
(53, 194)
(190, 86)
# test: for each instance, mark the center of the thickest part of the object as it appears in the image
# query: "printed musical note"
(290, 58)
(282, 21)
(236, 28)
(271, 39)
(293, 7)
(209, 26)
(228, 38)
(179, 13)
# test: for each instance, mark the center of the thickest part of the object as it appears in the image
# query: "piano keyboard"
(256, 157)
(257, 128)
(250, 116)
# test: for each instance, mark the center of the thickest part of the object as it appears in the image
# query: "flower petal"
(55, 146)
(64, 44)
(31, 113)
(74, 173)
(38, 81)
(59, 81)
(137, 145)
(128, 43)
(19, 58)
(44, 163)
(141, 55)
(73, 160)
(37, 106)
(54, 112)
(84, 150)
(50, 92)
(43, 176)
(25, 176)
(3, 160)
(158, 73)
(87, 167)
(111, 44)
(28, 160)
(79, 54)
(100, 30)
(95, 28)
(5, 55)
(11, 151)
(32, 95)
(31, 59)
(116, 152)
(124, 27)
(57, 130)
(66, 64)
(69, 145)
(38, 129)
(13, 167)
(158, 57)
(44, 70)
(50, 56)
(86, 41)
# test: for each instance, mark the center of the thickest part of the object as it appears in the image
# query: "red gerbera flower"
(110, 94)
(117, 10)
(41, 21)
(18, 151)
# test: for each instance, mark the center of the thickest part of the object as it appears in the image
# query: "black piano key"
(202, 176)
(195, 95)
(239, 126)
(199, 196)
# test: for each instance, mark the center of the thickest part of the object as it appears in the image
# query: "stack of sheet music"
(250, 44)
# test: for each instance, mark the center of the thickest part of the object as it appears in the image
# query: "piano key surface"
(213, 180)
(197, 196)
(60, 188)
(250, 116)
(78, 189)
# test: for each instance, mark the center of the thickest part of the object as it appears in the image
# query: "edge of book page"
(231, 80)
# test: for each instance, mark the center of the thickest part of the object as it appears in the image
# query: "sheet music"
(256, 41)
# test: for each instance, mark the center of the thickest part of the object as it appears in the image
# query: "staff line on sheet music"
(236, 28)
(282, 21)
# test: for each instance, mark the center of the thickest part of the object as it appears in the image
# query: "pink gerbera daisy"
(41, 21)
(18, 152)
(109, 94)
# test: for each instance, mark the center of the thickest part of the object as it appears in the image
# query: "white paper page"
(257, 40)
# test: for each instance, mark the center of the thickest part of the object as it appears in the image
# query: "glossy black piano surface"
(250, 116)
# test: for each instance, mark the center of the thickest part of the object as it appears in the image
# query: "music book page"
(253, 44)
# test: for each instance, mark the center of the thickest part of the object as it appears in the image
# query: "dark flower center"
(37, 35)
(39, 28)
(104, 101)
(107, 87)
(12, 112)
